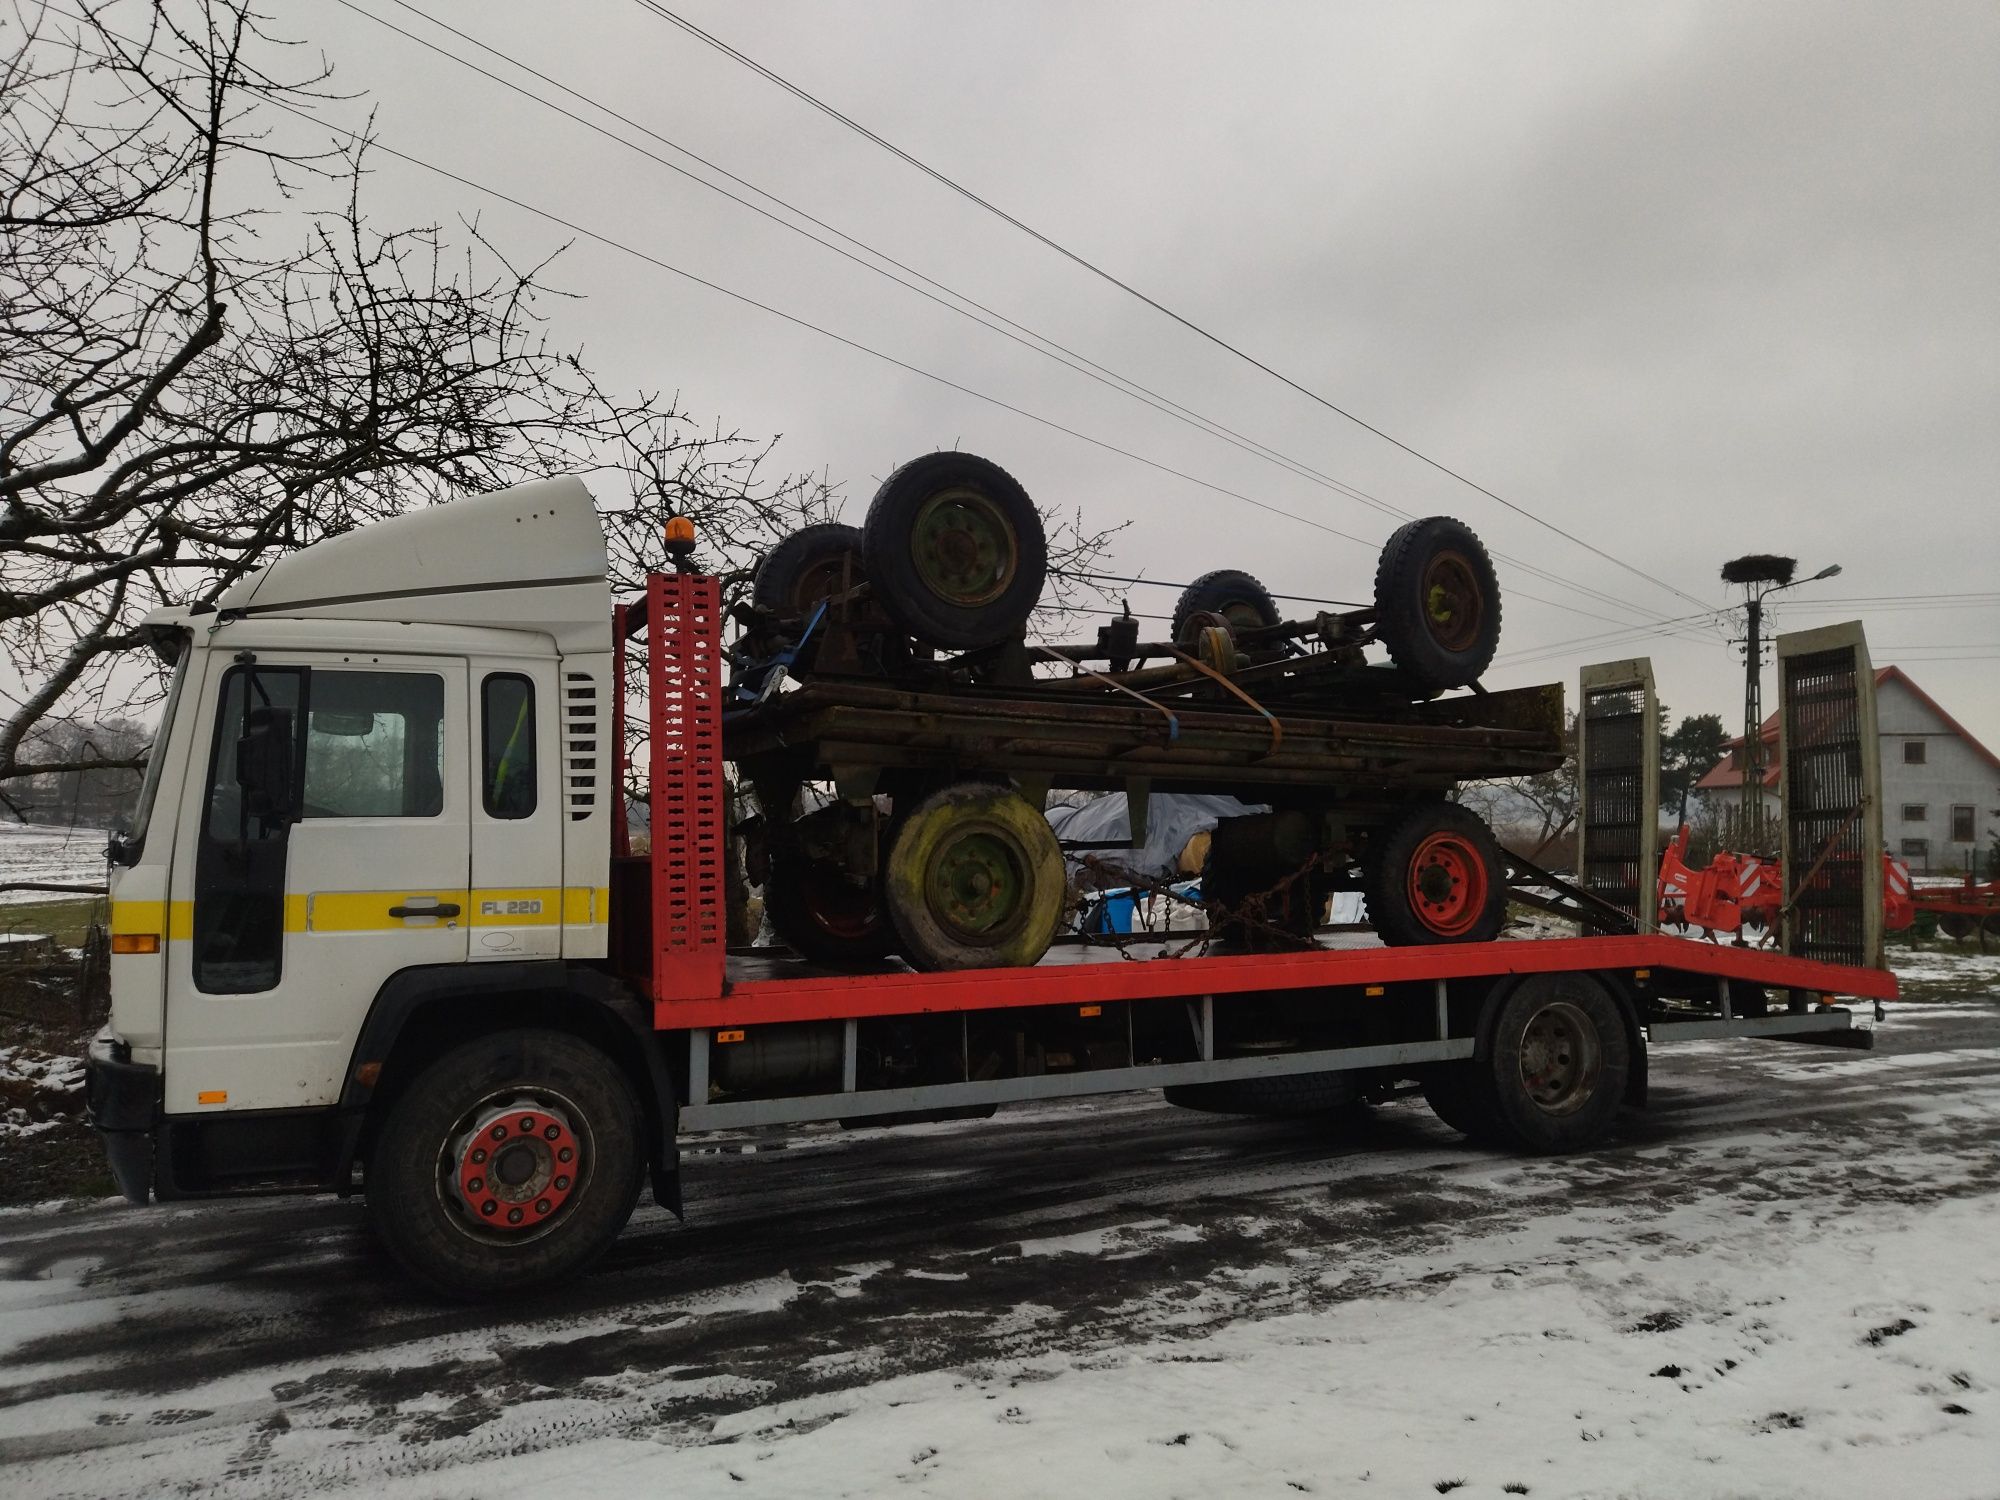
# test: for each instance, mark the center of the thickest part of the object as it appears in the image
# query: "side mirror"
(264, 765)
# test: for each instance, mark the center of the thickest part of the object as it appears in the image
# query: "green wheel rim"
(964, 546)
(978, 885)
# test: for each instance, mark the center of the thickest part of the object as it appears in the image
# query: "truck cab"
(382, 780)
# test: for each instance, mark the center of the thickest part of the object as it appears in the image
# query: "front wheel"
(975, 880)
(1436, 875)
(509, 1163)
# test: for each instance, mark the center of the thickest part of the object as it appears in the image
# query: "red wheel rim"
(518, 1167)
(1448, 884)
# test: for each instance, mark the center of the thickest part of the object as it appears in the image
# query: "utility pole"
(1751, 793)
(1758, 575)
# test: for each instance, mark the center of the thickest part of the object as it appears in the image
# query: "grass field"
(66, 918)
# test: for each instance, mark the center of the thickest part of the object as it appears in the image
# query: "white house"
(1940, 786)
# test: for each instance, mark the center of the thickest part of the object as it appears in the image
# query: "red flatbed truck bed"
(758, 1038)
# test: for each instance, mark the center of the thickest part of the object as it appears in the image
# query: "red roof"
(1723, 774)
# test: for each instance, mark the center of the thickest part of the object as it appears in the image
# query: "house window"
(1917, 852)
(1962, 831)
(1915, 812)
(1913, 752)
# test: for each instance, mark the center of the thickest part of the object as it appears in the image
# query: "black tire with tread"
(1385, 878)
(1516, 1116)
(1292, 1096)
(891, 566)
(1400, 616)
(1220, 591)
(776, 583)
(801, 924)
(406, 1202)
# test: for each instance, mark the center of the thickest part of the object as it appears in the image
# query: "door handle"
(435, 909)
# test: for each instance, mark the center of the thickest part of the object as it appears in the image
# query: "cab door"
(301, 905)
(518, 896)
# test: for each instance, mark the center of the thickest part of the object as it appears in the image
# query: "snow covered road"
(1780, 1280)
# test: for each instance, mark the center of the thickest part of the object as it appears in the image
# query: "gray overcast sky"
(1685, 280)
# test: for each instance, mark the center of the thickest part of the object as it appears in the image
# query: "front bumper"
(124, 1102)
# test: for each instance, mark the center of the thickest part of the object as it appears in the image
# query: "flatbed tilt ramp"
(769, 1039)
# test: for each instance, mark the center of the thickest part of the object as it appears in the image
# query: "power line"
(1060, 353)
(813, 101)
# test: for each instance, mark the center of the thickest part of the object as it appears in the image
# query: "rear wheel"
(1957, 926)
(815, 903)
(1556, 1074)
(956, 551)
(1240, 601)
(509, 1163)
(1436, 876)
(1295, 1096)
(1437, 603)
(1458, 1095)
(810, 565)
(975, 880)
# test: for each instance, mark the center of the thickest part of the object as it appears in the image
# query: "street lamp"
(1759, 574)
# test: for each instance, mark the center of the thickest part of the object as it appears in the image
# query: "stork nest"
(1759, 567)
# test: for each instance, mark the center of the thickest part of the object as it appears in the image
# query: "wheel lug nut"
(478, 1184)
(541, 1205)
(514, 1216)
(489, 1208)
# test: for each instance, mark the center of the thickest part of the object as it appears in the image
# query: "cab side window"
(507, 776)
(374, 745)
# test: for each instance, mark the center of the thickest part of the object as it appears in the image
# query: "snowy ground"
(1779, 1281)
(53, 855)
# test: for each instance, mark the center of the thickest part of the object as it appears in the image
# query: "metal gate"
(1831, 796)
(1618, 788)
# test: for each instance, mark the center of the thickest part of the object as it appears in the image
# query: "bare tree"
(193, 381)
(1532, 815)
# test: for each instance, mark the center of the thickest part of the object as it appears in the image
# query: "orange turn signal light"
(1090, 1010)
(729, 1036)
(135, 942)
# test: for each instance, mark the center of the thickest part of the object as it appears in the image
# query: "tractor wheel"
(809, 565)
(975, 880)
(509, 1163)
(1957, 926)
(1238, 599)
(1555, 1075)
(1437, 603)
(956, 551)
(820, 912)
(1436, 876)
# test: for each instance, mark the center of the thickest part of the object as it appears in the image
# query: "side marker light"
(135, 942)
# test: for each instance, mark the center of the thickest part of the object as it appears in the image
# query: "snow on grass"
(36, 1088)
(52, 855)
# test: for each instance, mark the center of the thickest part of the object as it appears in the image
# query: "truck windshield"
(131, 839)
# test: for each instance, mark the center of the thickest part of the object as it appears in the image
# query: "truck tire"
(1460, 1095)
(956, 551)
(824, 916)
(1435, 875)
(806, 567)
(1234, 595)
(975, 880)
(1437, 603)
(509, 1163)
(1296, 1096)
(1555, 1076)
